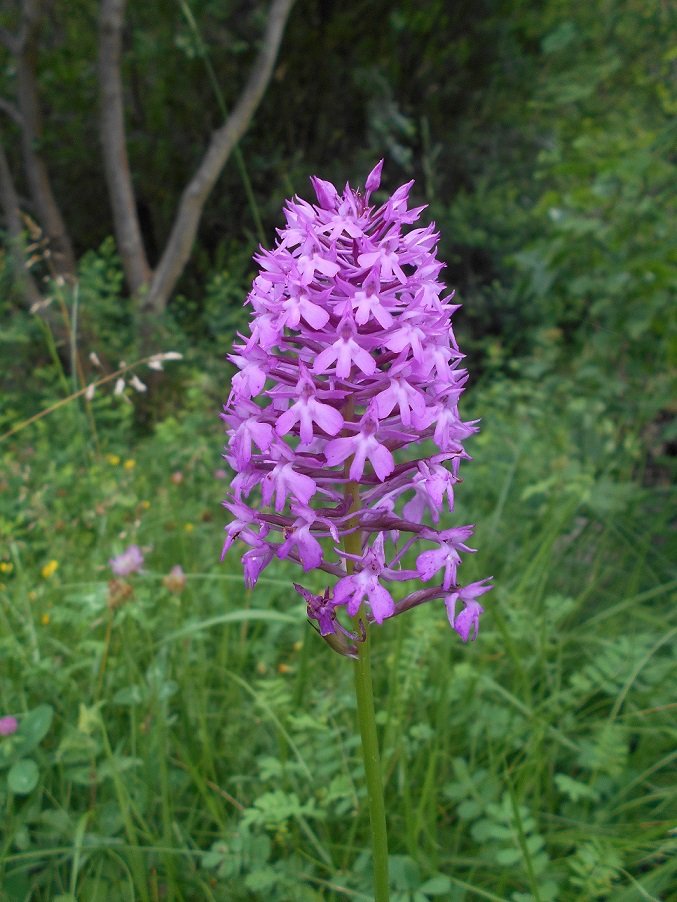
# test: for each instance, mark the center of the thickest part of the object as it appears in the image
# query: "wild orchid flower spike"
(350, 365)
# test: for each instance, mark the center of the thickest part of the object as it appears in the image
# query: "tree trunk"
(116, 163)
(161, 283)
(184, 230)
(9, 201)
(42, 196)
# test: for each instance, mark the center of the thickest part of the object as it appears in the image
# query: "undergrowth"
(200, 744)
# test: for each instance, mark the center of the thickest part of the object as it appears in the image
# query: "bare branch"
(10, 207)
(9, 41)
(116, 162)
(10, 110)
(223, 141)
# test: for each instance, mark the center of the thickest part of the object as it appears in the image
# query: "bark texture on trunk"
(9, 202)
(116, 162)
(39, 185)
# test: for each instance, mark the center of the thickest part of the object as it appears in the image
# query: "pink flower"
(308, 410)
(8, 725)
(469, 618)
(128, 562)
(351, 590)
(362, 447)
(175, 581)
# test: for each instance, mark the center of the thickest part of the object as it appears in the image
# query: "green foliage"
(203, 744)
(23, 773)
(101, 301)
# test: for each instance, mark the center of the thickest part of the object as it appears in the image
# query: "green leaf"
(261, 879)
(508, 856)
(560, 38)
(575, 789)
(404, 872)
(23, 776)
(33, 728)
(440, 885)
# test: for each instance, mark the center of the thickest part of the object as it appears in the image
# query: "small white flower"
(137, 384)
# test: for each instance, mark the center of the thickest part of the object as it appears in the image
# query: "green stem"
(364, 694)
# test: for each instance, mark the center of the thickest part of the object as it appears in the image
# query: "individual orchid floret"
(367, 303)
(362, 447)
(307, 410)
(249, 431)
(300, 537)
(431, 485)
(469, 617)
(321, 608)
(347, 379)
(284, 481)
(251, 378)
(241, 527)
(446, 557)
(254, 561)
(351, 590)
(346, 351)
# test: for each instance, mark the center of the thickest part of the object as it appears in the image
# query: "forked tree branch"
(223, 141)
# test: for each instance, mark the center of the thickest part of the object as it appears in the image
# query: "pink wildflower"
(8, 725)
(128, 562)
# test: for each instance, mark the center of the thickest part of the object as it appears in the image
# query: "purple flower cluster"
(351, 358)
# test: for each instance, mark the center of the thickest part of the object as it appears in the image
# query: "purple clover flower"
(8, 725)
(128, 562)
(350, 361)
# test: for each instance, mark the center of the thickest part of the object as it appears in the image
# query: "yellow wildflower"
(6, 566)
(129, 464)
(49, 569)
(188, 527)
(44, 620)
(113, 459)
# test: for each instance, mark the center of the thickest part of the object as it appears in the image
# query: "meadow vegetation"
(200, 743)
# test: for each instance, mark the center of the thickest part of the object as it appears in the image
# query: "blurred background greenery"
(187, 746)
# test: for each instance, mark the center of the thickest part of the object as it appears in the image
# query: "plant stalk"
(364, 694)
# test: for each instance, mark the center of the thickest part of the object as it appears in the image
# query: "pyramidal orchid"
(343, 424)
(344, 433)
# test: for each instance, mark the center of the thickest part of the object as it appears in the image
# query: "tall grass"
(203, 745)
